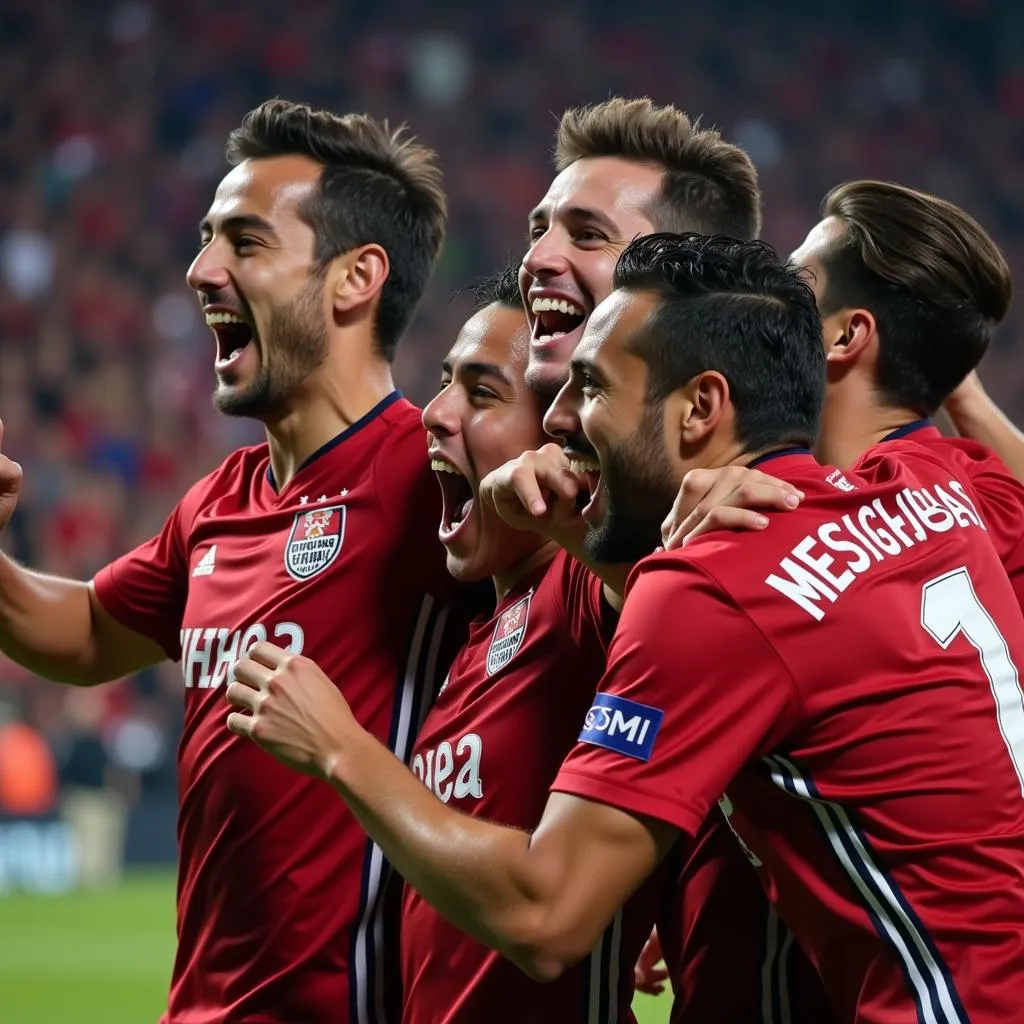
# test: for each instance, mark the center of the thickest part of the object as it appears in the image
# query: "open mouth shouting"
(555, 318)
(457, 498)
(235, 336)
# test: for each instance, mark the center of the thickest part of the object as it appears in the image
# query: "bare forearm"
(477, 874)
(55, 628)
(976, 416)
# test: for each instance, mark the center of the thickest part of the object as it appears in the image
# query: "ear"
(700, 406)
(848, 335)
(358, 276)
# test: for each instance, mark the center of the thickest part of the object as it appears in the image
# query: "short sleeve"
(146, 589)
(692, 692)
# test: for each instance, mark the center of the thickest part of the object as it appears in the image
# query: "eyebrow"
(240, 222)
(577, 213)
(478, 370)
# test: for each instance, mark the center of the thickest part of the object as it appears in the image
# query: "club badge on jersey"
(314, 541)
(509, 633)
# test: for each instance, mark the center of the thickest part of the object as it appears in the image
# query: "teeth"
(551, 337)
(223, 318)
(584, 466)
(440, 466)
(456, 523)
(555, 306)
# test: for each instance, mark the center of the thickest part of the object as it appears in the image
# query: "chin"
(466, 569)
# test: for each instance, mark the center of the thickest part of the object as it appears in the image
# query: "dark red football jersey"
(282, 908)
(506, 717)
(855, 695)
(729, 955)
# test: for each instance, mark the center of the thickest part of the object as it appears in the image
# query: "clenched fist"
(10, 483)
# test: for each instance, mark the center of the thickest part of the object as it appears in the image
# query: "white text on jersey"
(434, 768)
(872, 534)
(208, 653)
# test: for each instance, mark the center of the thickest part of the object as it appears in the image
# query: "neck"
(853, 422)
(505, 581)
(327, 403)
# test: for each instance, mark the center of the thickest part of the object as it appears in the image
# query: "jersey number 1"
(949, 606)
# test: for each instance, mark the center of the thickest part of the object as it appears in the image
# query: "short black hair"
(934, 281)
(377, 186)
(733, 307)
(501, 288)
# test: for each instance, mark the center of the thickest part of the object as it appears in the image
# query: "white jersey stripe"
(368, 965)
(930, 985)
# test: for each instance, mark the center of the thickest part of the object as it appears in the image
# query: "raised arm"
(976, 416)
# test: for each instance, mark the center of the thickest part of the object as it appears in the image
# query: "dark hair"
(932, 278)
(732, 307)
(710, 185)
(376, 186)
(502, 288)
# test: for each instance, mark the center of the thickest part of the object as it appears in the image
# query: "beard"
(639, 489)
(295, 345)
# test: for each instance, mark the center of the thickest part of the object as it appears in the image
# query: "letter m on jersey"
(314, 541)
(622, 725)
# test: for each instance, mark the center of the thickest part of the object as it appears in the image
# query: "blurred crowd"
(113, 118)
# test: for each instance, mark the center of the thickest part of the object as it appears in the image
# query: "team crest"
(509, 632)
(314, 542)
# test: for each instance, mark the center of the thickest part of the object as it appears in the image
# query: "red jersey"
(1000, 494)
(729, 955)
(856, 696)
(508, 714)
(282, 909)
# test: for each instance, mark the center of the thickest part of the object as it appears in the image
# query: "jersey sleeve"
(1000, 499)
(693, 690)
(146, 589)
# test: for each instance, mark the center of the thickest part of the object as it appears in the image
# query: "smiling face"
(262, 292)
(592, 210)
(631, 480)
(483, 416)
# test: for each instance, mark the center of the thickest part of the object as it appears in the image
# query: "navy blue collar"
(781, 453)
(363, 421)
(908, 428)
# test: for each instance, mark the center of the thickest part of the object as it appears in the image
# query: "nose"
(208, 273)
(562, 420)
(547, 257)
(441, 415)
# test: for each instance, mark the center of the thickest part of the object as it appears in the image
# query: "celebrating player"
(510, 707)
(873, 768)
(313, 257)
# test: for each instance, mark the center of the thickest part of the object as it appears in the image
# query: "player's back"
(887, 809)
(283, 910)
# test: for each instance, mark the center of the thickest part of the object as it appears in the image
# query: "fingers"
(242, 695)
(268, 654)
(241, 725)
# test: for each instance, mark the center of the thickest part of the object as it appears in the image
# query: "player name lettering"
(814, 579)
(209, 652)
(435, 768)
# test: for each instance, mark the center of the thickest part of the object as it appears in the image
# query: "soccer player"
(627, 168)
(511, 705)
(873, 767)
(910, 289)
(313, 256)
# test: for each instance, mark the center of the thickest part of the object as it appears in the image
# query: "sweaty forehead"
(271, 187)
(620, 189)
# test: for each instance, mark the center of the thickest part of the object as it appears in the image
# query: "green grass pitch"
(104, 958)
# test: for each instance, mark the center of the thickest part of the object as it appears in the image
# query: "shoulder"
(234, 475)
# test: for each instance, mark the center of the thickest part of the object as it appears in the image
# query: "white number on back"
(949, 607)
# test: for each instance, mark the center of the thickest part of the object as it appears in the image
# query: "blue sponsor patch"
(622, 725)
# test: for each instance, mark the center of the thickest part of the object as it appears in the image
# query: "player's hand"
(10, 483)
(647, 975)
(724, 499)
(289, 708)
(970, 389)
(535, 492)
